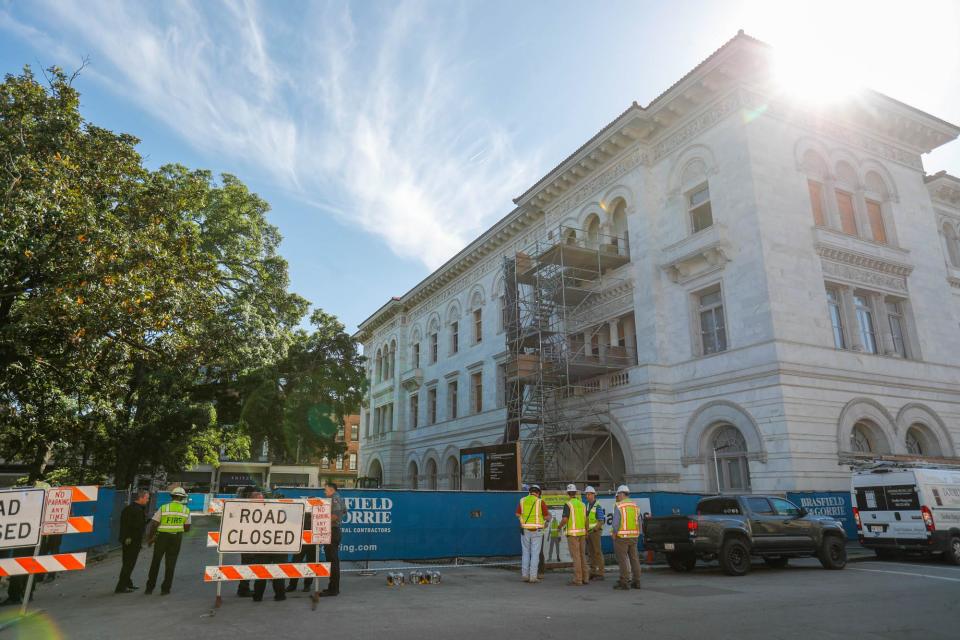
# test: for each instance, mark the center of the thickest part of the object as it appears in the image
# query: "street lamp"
(716, 465)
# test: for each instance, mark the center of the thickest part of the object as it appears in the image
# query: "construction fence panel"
(106, 521)
(836, 504)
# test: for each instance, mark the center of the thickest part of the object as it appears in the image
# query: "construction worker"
(554, 540)
(595, 519)
(166, 529)
(574, 522)
(331, 552)
(533, 515)
(626, 533)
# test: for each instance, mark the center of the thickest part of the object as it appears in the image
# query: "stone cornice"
(944, 189)
(855, 259)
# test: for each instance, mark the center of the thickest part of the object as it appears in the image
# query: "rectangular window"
(895, 317)
(454, 337)
(816, 202)
(340, 462)
(504, 316)
(868, 334)
(875, 215)
(340, 433)
(477, 326)
(848, 219)
(836, 318)
(325, 463)
(353, 462)
(434, 347)
(432, 405)
(355, 432)
(452, 401)
(416, 356)
(713, 330)
(701, 215)
(476, 392)
(414, 410)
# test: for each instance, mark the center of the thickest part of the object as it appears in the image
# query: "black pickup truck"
(731, 529)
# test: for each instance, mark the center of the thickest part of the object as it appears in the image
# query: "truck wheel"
(953, 553)
(776, 563)
(681, 563)
(735, 557)
(833, 553)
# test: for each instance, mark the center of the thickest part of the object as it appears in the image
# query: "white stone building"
(792, 295)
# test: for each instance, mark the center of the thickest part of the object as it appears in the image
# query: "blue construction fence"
(385, 524)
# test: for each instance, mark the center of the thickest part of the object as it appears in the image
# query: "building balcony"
(411, 379)
(698, 254)
(851, 249)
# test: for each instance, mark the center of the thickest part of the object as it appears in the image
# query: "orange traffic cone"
(649, 556)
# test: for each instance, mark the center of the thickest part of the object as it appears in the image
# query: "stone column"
(830, 202)
(850, 322)
(864, 230)
(615, 332)
(884, 335)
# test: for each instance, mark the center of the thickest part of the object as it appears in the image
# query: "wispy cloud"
(367, 119)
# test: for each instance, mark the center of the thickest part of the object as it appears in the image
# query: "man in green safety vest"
(626, 533)
(533, 515)
(165, 534)
(574, 522)
(595, 520)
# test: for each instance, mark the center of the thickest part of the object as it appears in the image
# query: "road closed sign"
(21, 512)
(261, 526)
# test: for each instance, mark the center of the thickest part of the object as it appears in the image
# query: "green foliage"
(137, 307)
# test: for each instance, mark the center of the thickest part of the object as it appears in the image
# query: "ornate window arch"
(731, 465)
(719, 423)
(865, 428)
(378, 366)
(878, 201)
(431, 474)
(413, 475)
(930, 431)
(618, 225)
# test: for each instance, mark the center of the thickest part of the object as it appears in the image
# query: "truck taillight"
(692, 526)
(927, 518)
(856, 518)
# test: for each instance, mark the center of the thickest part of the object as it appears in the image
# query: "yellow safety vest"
(173, 516)
(577, 518)
(592, 514)
(531, 513)
(629, 527)
(554, 528)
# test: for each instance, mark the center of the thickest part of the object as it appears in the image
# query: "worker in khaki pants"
(574, 522)
(626, 533)
(595, 519)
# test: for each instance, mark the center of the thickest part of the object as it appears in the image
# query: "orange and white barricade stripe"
(213, 538)
(43, 564)
(80, 524)
(232, 572)
(216, 504)
(84, 493)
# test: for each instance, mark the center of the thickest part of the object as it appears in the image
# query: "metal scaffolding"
(559, 294)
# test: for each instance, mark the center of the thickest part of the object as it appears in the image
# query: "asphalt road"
(869, 599)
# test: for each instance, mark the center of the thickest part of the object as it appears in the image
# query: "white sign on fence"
(320, 522)
(56, 511)
(261, 526)
(21, 511)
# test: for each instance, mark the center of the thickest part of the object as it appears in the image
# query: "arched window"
(452, 471)
(731, 466)
(952, 241)
(846, 187)
(920, 441)
(378, 374)
(867, 438)
(877, 200)
(376, 472)
(619, 220)
(412, 475)
(817, 175)
(431, 474)
(393, 359)
(592, 227)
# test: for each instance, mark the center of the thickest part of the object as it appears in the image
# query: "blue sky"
(388, 135)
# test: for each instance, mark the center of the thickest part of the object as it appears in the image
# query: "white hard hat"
(179, 492)
(623, 489)
(571, 487)
(589, 489)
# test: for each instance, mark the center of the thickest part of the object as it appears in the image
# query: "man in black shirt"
(133, 521)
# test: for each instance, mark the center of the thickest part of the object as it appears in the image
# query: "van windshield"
(892, 498)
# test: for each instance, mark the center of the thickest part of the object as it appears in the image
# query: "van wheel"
(953, 553)
(833, 553)
(681, 562)
(776, 563)
(735, 557)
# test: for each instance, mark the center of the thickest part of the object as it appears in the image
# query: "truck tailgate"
(666, 529)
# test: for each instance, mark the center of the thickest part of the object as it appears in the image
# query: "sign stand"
(315, 596)
(28, 593)
(219, 600)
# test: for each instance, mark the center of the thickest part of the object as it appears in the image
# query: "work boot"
(620, 586)
(148, 591)
(280, 597)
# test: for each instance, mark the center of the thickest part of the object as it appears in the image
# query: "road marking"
(907, 573)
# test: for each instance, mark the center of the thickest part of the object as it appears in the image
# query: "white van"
(908, 509)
